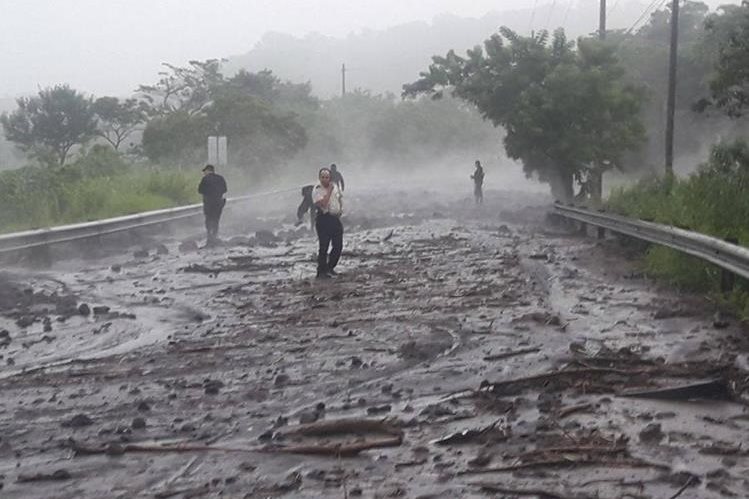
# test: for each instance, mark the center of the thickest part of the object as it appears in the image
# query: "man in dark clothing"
(213, 188)
(306, 205)
(336, 177)
(478, 183)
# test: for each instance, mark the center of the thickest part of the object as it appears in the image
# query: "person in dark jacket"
(306, 205)
(213, 188)
(336, 177)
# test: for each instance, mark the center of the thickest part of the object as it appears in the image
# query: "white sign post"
(217, 151)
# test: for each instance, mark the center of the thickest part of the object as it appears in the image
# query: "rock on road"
(500, 348)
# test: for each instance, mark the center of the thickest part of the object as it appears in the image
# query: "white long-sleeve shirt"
(335, 203)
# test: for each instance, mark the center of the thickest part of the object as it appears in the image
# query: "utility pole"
(671, 104)
(596, 179)
(343, 79)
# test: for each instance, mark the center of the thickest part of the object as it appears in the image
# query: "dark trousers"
(478, 193)
(329, 232)
(212, 212)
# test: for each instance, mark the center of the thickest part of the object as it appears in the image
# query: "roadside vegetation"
(714, 199)
(99, 184)
(92, 158)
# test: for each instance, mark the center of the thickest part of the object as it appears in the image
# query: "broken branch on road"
(544, 494)
(391, 436)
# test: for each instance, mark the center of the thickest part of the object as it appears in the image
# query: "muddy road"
(463, 352)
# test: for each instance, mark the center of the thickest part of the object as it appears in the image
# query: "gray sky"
(111, 46)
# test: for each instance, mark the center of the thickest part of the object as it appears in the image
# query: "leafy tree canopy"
(255, 111)
(117, 120)
(49, 124)
(730, 83)
(564, 108)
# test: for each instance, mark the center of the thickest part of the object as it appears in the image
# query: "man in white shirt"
(329, 202)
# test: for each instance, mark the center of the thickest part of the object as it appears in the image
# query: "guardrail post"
(601, 233)
(583, 229)
(727, 279)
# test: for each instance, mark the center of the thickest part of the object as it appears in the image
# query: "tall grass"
(713, 201)
(99, 185)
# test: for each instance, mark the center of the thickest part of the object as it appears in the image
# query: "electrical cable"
(533, 16)
(645, 13)
(551, 12)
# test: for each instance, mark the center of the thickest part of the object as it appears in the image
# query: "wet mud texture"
(462, 352)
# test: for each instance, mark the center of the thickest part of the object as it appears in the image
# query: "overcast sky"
(110, 46)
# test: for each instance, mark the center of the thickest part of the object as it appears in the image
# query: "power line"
(647, 11)
(533, 15)
(611, 9)
(551, 12)
(567, 13)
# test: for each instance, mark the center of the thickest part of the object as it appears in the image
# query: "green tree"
(176, 137)
(253, 110)
(729, 31)
(48, 125)
(566, 113)
(117, 120)
(186, 89)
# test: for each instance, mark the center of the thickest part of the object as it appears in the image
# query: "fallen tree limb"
(714, 389)
(631, 463)
(691, 481)
(567, 373)
(394, 437)
(336, 450)
(507, 355)
(618, 449)
(58, 475)
(567, 411)
(115, 449)
(500, 489)
(344, 426)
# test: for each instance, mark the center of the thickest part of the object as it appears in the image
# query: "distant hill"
(381, 61)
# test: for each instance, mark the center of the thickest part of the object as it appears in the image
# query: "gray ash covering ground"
(499, 346)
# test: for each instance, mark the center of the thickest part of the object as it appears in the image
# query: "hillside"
(381, 61)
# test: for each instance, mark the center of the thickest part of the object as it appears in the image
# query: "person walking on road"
(478, 183)
(337, 178)
(213, 189)
(329, 202)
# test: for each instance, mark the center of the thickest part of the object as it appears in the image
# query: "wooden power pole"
(671, 104)
(343, 79)
(596, 179)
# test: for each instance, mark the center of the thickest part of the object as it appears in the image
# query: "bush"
(101, 184)
(712, 201)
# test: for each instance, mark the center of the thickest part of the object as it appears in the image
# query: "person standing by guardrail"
(478, 183)
(329, 202)
(213, 188)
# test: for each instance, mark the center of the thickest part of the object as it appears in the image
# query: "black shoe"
(332, 272)
(323, 275)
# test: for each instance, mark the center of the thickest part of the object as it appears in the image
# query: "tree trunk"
(562, 186)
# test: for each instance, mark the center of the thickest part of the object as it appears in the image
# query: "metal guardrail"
(728, 256)
(18, 241)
